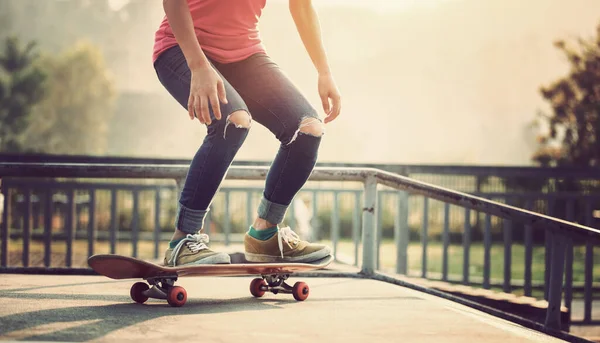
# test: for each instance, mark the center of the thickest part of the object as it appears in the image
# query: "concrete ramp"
(94, 308)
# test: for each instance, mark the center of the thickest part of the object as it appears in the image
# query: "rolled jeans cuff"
(188, 220)
(271, 212)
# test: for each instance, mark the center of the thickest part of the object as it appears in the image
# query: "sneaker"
(192, 250)
(284, 246)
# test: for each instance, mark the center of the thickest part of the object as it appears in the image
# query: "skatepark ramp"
(560, 234)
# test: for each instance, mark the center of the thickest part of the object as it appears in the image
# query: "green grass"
(80, 252)
(476, 254)
(346, 249)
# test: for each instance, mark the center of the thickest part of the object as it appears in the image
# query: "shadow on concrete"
(59, 286)
(98, 321)
(108, 318)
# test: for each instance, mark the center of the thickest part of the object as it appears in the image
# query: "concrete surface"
(94, 308)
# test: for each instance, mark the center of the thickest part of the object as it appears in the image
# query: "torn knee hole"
(309, 126)
(241, 119)
(313, 127)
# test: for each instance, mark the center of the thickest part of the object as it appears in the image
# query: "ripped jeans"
(257, 86)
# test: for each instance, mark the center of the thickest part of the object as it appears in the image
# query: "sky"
(423, 81)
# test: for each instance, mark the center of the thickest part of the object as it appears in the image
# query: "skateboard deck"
(161, 279)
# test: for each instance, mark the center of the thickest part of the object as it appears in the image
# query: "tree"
(21, 86)
(573, 138)
(73, 118)
(37, 20)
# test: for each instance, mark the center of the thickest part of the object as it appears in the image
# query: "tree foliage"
(21, 86)
(58, 104)
(74, 116)
(574, 124)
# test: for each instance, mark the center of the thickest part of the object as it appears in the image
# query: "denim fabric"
(255, 85)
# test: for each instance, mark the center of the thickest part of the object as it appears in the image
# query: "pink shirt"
(227, 30)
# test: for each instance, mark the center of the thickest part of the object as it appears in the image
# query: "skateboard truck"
(163, 287)
(275, 283)
(160, 286)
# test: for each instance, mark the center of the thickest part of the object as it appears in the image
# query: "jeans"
(255, 85)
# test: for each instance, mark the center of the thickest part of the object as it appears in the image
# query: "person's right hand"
(206, 87)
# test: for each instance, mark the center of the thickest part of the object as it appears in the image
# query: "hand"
(330, 97)
(206, 86)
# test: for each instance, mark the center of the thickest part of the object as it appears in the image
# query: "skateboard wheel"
(137, 292)
(256, 287)
(300, 291)
(177, 296)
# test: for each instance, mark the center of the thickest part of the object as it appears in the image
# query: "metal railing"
(559, 233)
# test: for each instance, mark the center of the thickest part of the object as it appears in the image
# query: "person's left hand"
(330, 97)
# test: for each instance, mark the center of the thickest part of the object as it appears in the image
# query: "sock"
(262, 235)
(173, 244)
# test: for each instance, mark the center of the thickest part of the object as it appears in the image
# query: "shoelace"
(286, 234)
(195, 243)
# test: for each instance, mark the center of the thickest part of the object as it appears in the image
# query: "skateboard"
(160, 280)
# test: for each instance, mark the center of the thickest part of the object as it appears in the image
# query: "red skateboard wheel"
(137, 292)
(300, 291)
(256, 287)
(177, 296)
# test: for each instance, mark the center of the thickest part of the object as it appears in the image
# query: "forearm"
(180, 20)
(307, 22)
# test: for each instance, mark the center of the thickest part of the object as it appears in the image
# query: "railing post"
(335, 223)
(113, 221)
(547, 249)
(401, 234)
(369, 225)
(356, 226)
(424, 237)
(227, 219)
(378, 229)
(466, 245)
(487, 247)
(446, 241)
(507, 233)
(26, 233)
(71, 223)
(6, 218)
(291, 214)
(569, 259)
(157, 229)
(589, 268)
(314, 221)
(91, 229)
(557, 263)
(48, 206)
(528, 253)
(135, 222)
(249, 209)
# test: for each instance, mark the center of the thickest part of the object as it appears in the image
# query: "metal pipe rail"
(560, 232)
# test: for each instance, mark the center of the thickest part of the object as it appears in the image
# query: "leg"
(277, 104)
(207, 170)
(289, 172)
(223, 139)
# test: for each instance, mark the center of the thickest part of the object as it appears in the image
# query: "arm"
(206, 84)
(307, 23)
(180, 20)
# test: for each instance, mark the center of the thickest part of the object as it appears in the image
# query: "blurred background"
(498, 98)
(430, 81)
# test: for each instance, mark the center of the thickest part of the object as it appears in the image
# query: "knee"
(241, 119)
(312, 127)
